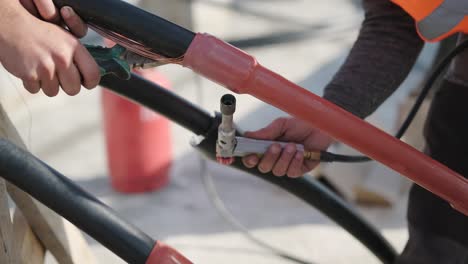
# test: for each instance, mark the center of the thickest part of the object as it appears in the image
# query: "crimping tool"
(119, 61)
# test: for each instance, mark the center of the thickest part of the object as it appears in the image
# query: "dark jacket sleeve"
(381, 58)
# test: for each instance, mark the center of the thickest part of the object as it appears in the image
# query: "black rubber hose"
(161, 100)
(162, 36)
(70, 201)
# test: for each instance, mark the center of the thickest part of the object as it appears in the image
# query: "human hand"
(44, 55)
(46, 10)
(287, 161)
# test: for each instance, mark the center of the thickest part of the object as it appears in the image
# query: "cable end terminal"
(225, 161)
(313, 155)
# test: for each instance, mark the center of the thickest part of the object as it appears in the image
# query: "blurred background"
(305, 41)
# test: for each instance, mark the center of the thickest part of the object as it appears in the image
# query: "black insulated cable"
(172, 41)
(326, 156)
(200, 122)
(155, 33)
(67, 199)
(428, 86)
(161, 100)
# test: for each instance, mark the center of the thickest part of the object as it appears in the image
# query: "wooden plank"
(27, 249)
(60, 237)
(5, 226)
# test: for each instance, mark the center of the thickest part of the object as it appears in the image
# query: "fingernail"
(252, 161)
(275, 149)
(67, 12)
(290, 148)
(299, 156)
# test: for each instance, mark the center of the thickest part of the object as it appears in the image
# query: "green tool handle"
(109, 61)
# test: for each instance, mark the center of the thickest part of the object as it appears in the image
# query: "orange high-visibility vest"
(437, 19)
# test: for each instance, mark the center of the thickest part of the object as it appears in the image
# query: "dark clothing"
(384, 53)
(457, 72)
(381, 58)
(427, 248)
(438, 233)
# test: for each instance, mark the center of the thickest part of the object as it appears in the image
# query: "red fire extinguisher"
(138, 142)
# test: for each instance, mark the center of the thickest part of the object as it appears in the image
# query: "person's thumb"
(74, 23)
(47, 10)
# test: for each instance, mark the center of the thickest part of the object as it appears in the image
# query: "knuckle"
(49, 16)
(73, 42)
(69, 43)
(63, 59)
(30, 76)
(46, 69)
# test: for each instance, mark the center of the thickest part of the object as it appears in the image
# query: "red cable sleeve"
(241, 73)
(164, 254)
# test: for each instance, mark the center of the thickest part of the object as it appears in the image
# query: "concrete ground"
(67, 133)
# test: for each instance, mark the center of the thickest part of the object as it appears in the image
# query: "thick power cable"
(60, 194)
